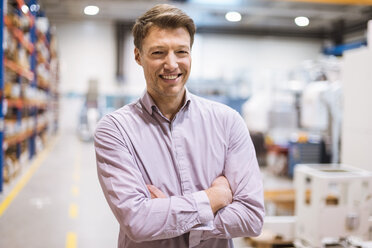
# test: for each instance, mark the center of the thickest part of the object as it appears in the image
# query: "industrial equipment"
(333, 204)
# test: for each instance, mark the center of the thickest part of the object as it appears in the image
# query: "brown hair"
(163, 16)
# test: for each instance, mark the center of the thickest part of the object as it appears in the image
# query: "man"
(177, 170)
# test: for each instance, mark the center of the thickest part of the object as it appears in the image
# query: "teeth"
(170, 77)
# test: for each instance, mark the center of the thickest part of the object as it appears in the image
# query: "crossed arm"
(219, 193)
(233, 202)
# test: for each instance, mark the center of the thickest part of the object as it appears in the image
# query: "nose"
(171, 62)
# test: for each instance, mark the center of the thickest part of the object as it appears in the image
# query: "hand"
(155, 192)
(219, 194)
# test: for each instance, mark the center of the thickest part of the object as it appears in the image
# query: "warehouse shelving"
(28, 86)
(1, 94)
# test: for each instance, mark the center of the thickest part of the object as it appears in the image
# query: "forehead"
(157, 36)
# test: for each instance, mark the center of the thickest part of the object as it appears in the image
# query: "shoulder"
(120, 117)
(115, 126)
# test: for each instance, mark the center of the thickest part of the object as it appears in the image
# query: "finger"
(152, 195)
(155, 192)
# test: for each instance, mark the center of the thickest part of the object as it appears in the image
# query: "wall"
(86, 51)
(224, 56)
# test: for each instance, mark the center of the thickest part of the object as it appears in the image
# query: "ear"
(137, 56)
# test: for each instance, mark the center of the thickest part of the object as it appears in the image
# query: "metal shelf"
(1, 93)
(34, 101)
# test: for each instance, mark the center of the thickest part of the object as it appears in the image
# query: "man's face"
(166, 61)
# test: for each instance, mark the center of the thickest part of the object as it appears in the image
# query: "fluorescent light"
(24, 9)
(302, 21)
(91, 10)
(233, 16)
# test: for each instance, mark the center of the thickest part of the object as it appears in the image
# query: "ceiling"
(268, 17)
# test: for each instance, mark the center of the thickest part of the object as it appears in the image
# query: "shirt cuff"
(204, 208)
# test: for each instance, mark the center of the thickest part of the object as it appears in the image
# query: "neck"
(169, 106)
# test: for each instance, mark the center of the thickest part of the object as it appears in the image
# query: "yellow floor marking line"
(39, 159)
(73, 211)
(71, 240)
(75, 191)
(77, 163)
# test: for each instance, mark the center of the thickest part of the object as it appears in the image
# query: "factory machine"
(333, 205)
(333, 208)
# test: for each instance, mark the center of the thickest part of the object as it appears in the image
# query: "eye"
(182, 53)
(157, 53)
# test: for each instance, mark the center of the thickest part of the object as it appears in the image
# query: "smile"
(170, 77)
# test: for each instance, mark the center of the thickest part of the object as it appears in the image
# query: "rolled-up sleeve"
(142, 218)
(244, 216)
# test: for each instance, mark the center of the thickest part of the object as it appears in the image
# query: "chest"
(179, 157)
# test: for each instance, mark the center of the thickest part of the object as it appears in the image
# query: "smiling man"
(177, 170)
(165, 57)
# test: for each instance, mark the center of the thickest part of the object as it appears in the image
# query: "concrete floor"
(62, 204)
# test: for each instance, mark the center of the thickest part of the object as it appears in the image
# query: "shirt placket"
(180, 155)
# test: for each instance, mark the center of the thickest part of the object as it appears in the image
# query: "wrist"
(219, 197)
(213, 200)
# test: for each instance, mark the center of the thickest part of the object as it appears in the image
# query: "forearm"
(145, 219)
(219, 194)
(241, 218)
(244, 216)
(237, 220)
(140, 217)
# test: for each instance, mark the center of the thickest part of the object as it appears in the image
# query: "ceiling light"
(302, 21)
(91, 10)
(35, 7)
(233, 16)
(25, 8)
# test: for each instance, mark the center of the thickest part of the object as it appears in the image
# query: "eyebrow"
(156, 47)
(184, 47)
(162, 47)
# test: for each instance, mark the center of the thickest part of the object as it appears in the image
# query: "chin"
(173, 90)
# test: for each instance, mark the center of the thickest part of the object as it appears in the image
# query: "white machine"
(333, 203)
(321, 111)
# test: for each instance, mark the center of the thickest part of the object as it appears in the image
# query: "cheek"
(186, 64)
(154, 67)
(148, 69)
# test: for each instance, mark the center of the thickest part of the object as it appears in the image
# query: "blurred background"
(298, 72)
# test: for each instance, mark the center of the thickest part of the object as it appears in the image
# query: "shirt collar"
(149, 104)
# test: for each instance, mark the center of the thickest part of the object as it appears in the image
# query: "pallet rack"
(1, 95)
(28, 86)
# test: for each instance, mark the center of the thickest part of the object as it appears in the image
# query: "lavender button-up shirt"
(136, 145)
